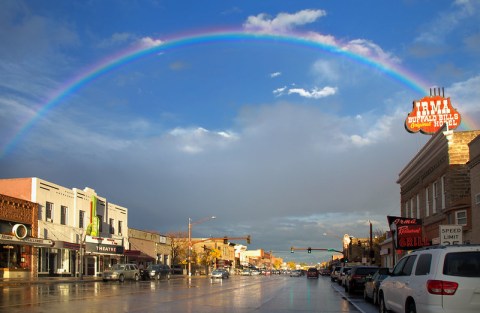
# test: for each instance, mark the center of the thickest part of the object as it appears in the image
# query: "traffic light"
(225, 240)
(291, 249)
(345, 260)
(309, 250)
(248, 239)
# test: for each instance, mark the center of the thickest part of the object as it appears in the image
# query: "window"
(49, 212)
(477, 198)
(427, 203)
(112, 230)
(100, 223)
(411, 208)
(407, 269)
(444, 192)
(423, 264)
(461, 217)
(397, 270)
(418, 206)
(120, 227)
(81, 219)
(63, 215)
(435, 197)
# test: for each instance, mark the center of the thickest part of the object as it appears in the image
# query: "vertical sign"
(93, 217)
(451, 235)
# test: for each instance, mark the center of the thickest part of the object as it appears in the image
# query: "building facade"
(435, 186)
(19, 242)
(148, 248)
(474, 167)
(87, 232)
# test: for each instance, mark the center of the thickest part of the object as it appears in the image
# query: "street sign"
(451, 235)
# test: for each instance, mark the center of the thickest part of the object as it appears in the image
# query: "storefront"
(18, 242)
(101, 253)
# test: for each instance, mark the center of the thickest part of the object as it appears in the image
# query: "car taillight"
(441, 287)
(356, 276)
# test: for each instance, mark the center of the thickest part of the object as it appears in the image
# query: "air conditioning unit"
(49, 220)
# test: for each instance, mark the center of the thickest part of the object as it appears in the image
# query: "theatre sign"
(429, 114)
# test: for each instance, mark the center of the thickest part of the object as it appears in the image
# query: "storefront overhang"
(28, 241)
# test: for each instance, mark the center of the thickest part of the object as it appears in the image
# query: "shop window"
(120, 228)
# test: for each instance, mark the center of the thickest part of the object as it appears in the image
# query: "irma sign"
(430, 114)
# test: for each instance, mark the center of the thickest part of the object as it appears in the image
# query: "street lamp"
(190, 224)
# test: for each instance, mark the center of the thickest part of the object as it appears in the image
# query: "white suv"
(434, 279)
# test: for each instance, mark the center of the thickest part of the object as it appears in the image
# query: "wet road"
(198, 294)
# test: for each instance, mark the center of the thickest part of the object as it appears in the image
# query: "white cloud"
(315, 93)
(280, 91)
(465, 95)
(197, 140)
(149, 42)
(369, 49)
(283, 21)
(275, 74)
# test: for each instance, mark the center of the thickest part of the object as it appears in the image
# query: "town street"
(277, 293)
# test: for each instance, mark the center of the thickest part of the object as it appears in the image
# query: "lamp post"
(190, 224)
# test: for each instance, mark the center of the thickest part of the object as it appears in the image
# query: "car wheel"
(121, 278)
(382, 308)
(136, 277)
(375, 297)
(411, 308)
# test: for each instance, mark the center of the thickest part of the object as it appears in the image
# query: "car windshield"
(464, 264)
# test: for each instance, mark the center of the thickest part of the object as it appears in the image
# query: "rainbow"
(125, 57)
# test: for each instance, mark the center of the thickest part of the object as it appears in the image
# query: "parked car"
(341, 275)
(434, 279)
(296, 273)
(121, 272)
(156, 271)
(246, 272)
(177, 269)
(312, 272)
(334, 273)
(219, 273)
(372, 283)
(325, 272)
(355, 280)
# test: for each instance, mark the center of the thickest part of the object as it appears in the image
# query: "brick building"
(436, 185)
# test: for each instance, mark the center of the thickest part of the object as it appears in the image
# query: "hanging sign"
(429, 114)
(407, 232)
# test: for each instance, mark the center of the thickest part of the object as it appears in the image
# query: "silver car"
(121, 272)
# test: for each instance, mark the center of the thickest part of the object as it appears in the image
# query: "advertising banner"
(407, 232)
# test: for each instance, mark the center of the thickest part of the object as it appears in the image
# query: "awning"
(29, 241)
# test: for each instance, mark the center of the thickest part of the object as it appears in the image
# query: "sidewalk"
(12, 282)
(4, 282)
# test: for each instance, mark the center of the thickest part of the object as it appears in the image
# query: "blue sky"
(280, 140)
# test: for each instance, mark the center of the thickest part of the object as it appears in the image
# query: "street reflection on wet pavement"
(196, 294)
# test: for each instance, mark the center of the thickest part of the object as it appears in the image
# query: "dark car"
(355, 281)
(370, 292)
(312, 273)
(156, 271)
